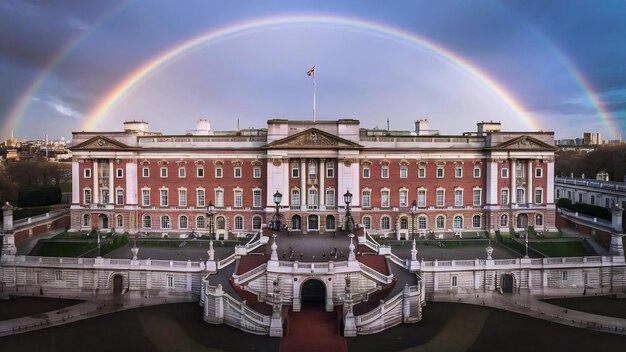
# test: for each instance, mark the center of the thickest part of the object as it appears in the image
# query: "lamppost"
(278, 197)
(526, 238)
(413, 211)
(347, 198)
(98, 244)
(210, 208)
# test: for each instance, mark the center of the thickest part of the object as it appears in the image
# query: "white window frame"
(477, 192)
(182, 197)
(165, 222)
(163, 172)
(330, 197)
(367, 222)
(182, 172)
(295, 169)
(366, 172)
(238, 198)
(504, 191)
(219, 197)
(538, 195)
(385, 223)
(441, 203)
(295, 197)
(404, 171)
(163, 197)
(504, 172)
(440, 172)
(403, 200)
(455, 220)
(421, 171)
(480, 221)
(200, 172)
(117, 196)
(538, 172)
(458, 171)
(257, 198)
(87, 173)
(366, 200)
(476, 171)
(330, 169)
(384, 171)
(145, 172)
(119, 173)
(219, 172)
(87, 194)
(200, 197)
(421, 197)
(440, 224)
(145, 201)
(146, 219)
(256, 172)
(385, 203)
(180, 222)
(458, 197)
(237, 172)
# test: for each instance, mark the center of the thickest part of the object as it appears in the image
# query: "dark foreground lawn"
(27, 306)
(446, 327)
(601, 305)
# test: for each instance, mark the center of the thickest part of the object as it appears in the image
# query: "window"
(564, 275)
(538, 196)
(504, 196)
(170, 281)
(182, 197)
(119, 173)
(295, 197)
(295, 169)
(504, 173)
(163, 198)
(330, 198)
(200, 171)
(164, 171)
(520, 196)
(558, 193)
(200, 198)
(312, 197)
(439, 171)
(256, 222)
(421, 198)
(476, 221)
(440, 222)
(219, 198)
(238, 222)
(219, 172)
(256, 172)
(86, 220)
(182, 171)
(87, 196)
(119, 221)
(330, 169)
(458, 172)
(105, 196)
(404, 198)
(366, 172)
(87, 173)
(237, 172)
(422, 222)
(404, 172)
(296, 222)
(458, 222)
(220, 223)
(458, 197)
(312, 170)
(384, 198)
(385, 223)
(538, 172)
(182, 222)
(592, 199)
(366, 198)
(607, 203)
(119, 198)
(330, 222)
(238, 198)
(504, 221)
(421, 171)
(145, 172)
(539, 220)
(145, 197)
(477, 197)
(384, 171)
(165, 222)
(256, 198)
(440, 197)
(58, 275)
(454, 282)
(200, 222)
(404, 223)
(476, 171)
(367, 222)
(580, 198)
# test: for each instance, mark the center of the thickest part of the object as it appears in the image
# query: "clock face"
(102, 142)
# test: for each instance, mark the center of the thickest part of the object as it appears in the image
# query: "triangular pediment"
(100, 143)
(524, 143)
(313, 138)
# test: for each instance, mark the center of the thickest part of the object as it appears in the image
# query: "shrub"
(40, 197)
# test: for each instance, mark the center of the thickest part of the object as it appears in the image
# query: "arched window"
(441, 222)
(147, 221)
(404, 223)
(200, 222)
(504, 221)
(422, 222)
(367, 222)
(86, 220)
(330, 222)
(221, 223)
(256, 222)
(312, 198)
(119, 221)
(238, 222)
(295, 198)
(385, 223)
(182, 222)
(165, 222)
(458, 222)
(476, 221)
(296, 222)
(539, 220)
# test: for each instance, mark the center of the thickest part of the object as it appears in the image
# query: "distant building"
(600, 192)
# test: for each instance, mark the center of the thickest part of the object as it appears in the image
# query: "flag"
(311, 72)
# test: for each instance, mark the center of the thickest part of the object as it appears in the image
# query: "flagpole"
(313, 93)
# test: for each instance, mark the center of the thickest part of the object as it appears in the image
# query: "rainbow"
(22, 103)
(143, 73)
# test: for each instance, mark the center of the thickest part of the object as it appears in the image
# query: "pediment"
(313, 139)
(524, 143)
(100, 143)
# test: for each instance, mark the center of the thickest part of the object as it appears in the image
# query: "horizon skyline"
(84, 66)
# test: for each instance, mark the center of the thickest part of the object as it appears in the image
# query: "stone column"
(111, 176)
(491, 188)
(616, 248)
(550, 188)
(95, 193)
(322, 205)
(513, 191)
(529, 183)
(75, 182)
(303, 191)
(8, 240)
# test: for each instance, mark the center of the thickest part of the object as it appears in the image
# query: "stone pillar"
(322, 205)
(550, 188)
(8, 240)
(491, 189)
(95, 193)
(75, 182)
(529, 183)
(616, 248)
(111, 177)
(303, 190)
(513, 191)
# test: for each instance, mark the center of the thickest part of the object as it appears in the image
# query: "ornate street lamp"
(413, 211)
(209, 209)
(278, 197)
(347, 198)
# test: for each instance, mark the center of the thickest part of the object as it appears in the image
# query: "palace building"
(403, 183)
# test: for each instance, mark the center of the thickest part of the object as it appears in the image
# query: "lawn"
(64, 249)
(23, 213)
(560, 249)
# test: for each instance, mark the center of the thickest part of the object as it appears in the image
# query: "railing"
(375, 274)
(104, 262)
(53, 215)
(399, 261)
(226, 261)
(239, 279)
(609, 185)
(540, 262)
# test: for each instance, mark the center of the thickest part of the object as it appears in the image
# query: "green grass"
(23, 213)
(66, 187)
(454, 243)
(560, 249)
(74, 236)
(65, 249)
(517, 247)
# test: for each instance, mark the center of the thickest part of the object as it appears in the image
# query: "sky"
(74, 65)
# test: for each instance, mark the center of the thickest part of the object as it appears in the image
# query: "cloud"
(63, 108)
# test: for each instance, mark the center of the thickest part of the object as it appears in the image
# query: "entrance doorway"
(118, 284)
(507, 283)
(103, 221)
(313, 293)
(522, 221)
(314, 223)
